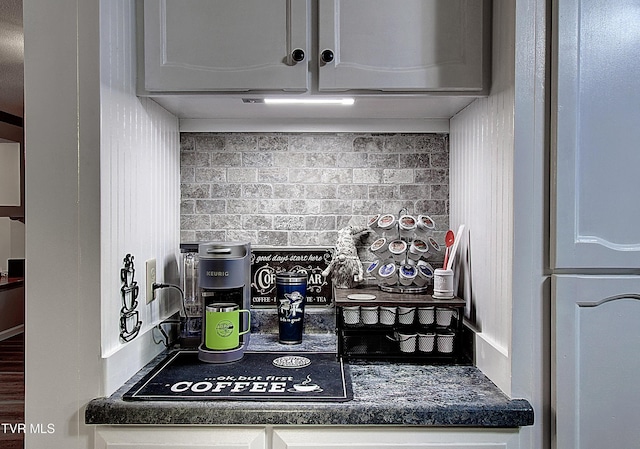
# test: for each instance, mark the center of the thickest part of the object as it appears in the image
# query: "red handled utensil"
(454, 249)
(449, 238)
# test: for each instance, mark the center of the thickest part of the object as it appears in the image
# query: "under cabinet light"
(338, 101)
(329, 101)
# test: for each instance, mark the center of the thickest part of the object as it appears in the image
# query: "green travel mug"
(222, 326)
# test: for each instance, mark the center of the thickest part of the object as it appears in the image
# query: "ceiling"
(11, 58)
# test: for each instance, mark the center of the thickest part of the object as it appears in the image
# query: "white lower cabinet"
(166, 437)
(311, 437)
(595, 361)
(381, 437)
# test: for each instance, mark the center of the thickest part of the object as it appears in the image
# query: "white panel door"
(225, 45)
(167, 437)
(394, 438)
(596, 392)
(597, 132)
(413, 45)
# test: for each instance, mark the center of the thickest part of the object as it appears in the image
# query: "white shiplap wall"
(140, 192)
(481, 197)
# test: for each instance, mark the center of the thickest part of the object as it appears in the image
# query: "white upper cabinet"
(365, 45)
(596, 214)
(413, 45)
(225, 45)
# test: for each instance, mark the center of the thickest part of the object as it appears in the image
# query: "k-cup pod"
(373, 224)
(425, 273)
(388, 274)
(426, 315)
(388, 315)
(435, 247)
(418, 249)
(445, 342)
(407, 227)
(373, 268)
(420, 282)
(426, 341)
(443, 316)
(407, 274)
(407, 342)
(351, 314)
(389, 226)
(380, 248)
(443, 284)
(398, 248)
(369, 314)
(425, 225)
(406, 315)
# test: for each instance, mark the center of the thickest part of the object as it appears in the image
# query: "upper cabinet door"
(596, 128)
(413, 45)
(225, 45)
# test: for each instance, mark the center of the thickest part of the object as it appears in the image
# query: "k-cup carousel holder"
(403, 249)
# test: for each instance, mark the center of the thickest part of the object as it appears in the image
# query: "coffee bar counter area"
(11, 306)
(380, 393)
(8, 283)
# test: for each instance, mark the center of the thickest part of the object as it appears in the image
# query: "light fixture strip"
(318, 101)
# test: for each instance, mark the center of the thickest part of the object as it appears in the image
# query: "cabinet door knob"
(326, 56)
(297, 55)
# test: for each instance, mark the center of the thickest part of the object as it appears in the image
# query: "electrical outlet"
(151, 279)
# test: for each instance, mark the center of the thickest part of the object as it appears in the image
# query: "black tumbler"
(291, 294)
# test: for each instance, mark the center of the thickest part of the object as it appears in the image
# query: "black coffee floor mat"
(258, 376)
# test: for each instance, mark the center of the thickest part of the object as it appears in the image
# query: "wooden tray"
(386, 298)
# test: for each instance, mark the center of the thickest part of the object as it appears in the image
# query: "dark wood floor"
(11, 391)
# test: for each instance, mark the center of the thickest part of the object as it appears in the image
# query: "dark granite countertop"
(384, 393)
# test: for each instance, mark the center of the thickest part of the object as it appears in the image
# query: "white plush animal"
(345, 267)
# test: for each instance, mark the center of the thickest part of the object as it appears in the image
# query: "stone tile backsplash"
(290, 189)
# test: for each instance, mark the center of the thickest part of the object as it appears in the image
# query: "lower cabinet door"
(394, 437)
(596, 391)
(165, 437)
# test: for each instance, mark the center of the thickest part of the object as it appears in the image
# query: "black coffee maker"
(224, 277)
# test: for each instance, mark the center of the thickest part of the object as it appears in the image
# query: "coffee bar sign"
(266, 262)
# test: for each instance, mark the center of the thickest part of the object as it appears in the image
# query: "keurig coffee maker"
(224, 276)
